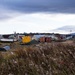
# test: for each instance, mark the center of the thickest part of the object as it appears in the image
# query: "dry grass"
(40, 59)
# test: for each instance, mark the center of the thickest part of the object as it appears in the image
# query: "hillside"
(64, 30)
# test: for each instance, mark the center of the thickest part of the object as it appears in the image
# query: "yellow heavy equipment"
(26, 39)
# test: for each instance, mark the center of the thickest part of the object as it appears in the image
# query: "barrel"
(42, 39)
(47, 39)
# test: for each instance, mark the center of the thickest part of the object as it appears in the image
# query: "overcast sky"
(35, 15)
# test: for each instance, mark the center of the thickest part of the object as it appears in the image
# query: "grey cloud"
(6, 13)
(32, 6)
(55, 6)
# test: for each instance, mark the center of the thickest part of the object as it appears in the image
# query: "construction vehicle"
(26, 40)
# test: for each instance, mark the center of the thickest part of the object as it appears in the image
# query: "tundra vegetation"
(39, 59)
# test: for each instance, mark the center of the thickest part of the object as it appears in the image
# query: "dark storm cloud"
(55, 6)
(32, 6)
